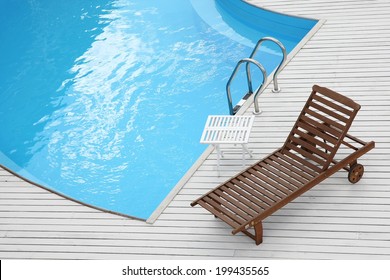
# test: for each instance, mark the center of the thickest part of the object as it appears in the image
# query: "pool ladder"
(260, 89)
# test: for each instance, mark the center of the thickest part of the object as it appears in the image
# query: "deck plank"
(334, 220)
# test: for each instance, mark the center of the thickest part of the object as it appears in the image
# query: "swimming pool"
(104, 101)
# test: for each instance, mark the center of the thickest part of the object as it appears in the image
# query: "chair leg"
(259, 233)
(219, 155)
(352, 163)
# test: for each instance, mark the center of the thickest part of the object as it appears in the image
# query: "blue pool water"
(105, 101)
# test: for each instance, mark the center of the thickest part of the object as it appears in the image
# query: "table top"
(221, 129)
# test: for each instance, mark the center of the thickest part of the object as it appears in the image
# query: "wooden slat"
(233, 205)
(305, 153)
(274, 181)
(222, 209)
(261, 181)
(309, 147)
(324, 119)
(327, 129)
(250, 190)
(229, 207)
(313, 140)
(238, 200)
(332, 105)
(287, 171)
(295, 172)
(303, 161)
(269, 184)
(316, 132)
(329, 112)
(275, 178)
(297, 163)
(337, 97)
(255, 202)
(257, 188)
(217, 213)
(278, 172)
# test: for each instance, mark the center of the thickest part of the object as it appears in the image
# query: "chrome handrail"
(249, 78)
(277, 71)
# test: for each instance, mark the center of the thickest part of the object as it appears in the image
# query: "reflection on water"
(105, 101)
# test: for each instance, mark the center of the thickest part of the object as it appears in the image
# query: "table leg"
(219, 155)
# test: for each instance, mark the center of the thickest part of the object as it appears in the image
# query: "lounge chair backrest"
(320, 128)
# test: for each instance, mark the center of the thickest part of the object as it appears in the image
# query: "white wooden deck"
(335, 220)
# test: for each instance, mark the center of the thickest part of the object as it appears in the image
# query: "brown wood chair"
(305, 159)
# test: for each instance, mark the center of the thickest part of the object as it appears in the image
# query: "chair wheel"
(355, 173)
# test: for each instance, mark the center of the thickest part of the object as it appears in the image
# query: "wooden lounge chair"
(305, 159)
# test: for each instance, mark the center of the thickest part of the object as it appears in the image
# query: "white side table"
(228, 130)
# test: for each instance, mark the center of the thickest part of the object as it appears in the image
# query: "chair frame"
(245, 200)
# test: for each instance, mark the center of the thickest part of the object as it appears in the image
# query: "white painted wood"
(227, 129)
(335, 220)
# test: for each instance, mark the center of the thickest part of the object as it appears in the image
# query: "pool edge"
(246, 104)
(68, 197)
(189, 173)
(280, 13)
(249, 101)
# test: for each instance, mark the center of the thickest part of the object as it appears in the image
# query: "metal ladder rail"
(248, 61)
(276, 73)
